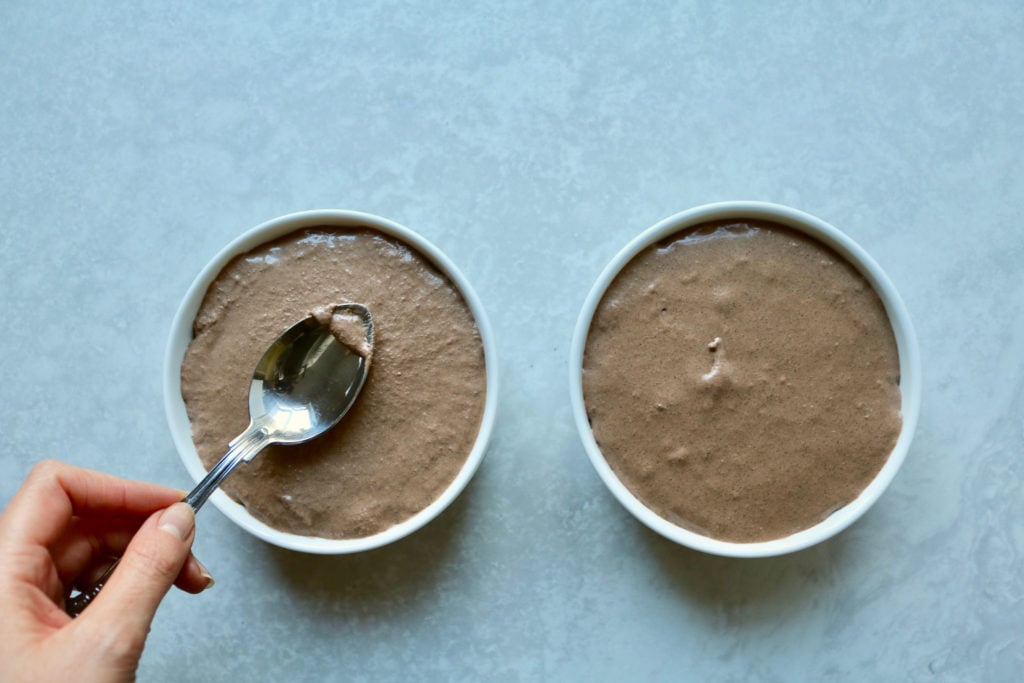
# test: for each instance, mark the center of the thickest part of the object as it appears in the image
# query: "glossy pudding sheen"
(416, 419)
(742, 380)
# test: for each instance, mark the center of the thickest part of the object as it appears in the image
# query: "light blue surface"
(530, 141)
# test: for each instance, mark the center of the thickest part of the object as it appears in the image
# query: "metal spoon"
(303, 385)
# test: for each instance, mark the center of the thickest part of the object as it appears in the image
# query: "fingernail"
(205, 573)
(178, 520)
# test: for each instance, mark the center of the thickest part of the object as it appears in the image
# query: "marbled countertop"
(530, 142)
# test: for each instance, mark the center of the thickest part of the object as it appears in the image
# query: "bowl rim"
(181, 336)
(903, 331)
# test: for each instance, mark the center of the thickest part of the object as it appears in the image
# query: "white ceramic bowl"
(181, 335)
(909, 359)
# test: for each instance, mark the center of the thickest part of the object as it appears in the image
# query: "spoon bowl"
(307, 380)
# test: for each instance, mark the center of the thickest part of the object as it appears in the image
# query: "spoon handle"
(243, 449)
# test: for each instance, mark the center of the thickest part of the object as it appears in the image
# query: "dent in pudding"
(415, 421)
(742, 380)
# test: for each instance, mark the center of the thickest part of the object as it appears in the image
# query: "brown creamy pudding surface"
(415, 422)
(742, 380)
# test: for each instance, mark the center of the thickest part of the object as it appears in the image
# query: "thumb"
(147, 569)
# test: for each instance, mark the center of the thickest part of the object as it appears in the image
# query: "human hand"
(61, 529)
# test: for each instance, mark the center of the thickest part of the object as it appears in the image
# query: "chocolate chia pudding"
(742, 380)
(416, 419)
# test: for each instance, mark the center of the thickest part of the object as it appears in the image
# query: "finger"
(94, 573)
(194, 577)
(91, 545)
(150, 564)
(87, 541)
(54, 492)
